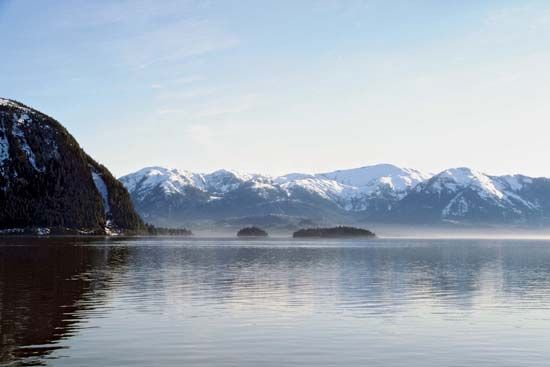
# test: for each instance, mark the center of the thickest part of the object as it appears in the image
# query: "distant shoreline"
(232, 238)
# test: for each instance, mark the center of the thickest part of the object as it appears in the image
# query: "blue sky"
(282, 86)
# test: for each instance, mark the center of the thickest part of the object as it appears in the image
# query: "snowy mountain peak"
(396, 178)
(461, 174)
(292, 177)
(455, 178)
(223, 181)
(171, 180)
(225, 174)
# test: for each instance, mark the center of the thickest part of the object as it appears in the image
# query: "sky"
(281, 86)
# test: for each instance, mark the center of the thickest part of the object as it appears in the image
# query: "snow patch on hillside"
(515, 183)
(103, 191)
(292, 177)
(458, 206)
(18, 132)
(327, 189)
(9, 103)
(224, 181)
(4, 147)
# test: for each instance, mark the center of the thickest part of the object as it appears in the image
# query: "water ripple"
(274, 303)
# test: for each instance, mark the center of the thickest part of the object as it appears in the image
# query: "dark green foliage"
(335, 232)
(122, 209)
(159, 231)
(58, 191)
(252, 232)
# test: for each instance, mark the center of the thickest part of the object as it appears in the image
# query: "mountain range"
(381, 193)
(47, 181)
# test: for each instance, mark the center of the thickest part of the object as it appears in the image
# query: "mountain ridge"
(377, 193)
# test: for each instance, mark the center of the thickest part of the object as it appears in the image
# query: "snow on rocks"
(325, 188)
(110, 227)
(9, 103)
(18, 132)
(458, 206)
(4, 147)
(103, 191)
(17, 126)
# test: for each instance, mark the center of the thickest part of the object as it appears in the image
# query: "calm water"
(274, 303)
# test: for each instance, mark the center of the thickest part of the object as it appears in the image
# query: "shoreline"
(288, 238)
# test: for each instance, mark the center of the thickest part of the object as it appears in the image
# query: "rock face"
(47, 180)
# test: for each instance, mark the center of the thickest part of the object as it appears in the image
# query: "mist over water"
(275, 302)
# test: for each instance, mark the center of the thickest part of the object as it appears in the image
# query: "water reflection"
(181, 298)
(46, 292)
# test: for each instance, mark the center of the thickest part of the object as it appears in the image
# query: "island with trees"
(160, 231)
(252, 232)
(334, 232)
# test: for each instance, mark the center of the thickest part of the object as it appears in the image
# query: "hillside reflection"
(47, 289)
(53, 290)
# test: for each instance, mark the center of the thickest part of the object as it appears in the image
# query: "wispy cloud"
(231, 106)
(214, 108)
(146, 33)
(84, 13)
(172, 82)
(187, 79)
(180, 95)
(172, 43)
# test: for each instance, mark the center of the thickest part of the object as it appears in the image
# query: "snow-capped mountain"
(383, 193)
(462, 194)
(369, 190)
(372, 178)
(47, 181)
(177, 182)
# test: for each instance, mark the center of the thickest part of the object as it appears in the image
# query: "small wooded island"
(252, 232)
(334, 232)
(160, 231)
